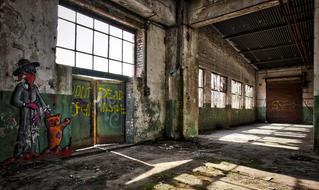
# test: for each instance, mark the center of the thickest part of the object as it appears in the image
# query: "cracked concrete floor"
(270, 157)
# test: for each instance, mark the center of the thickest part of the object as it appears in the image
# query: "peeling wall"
(150, 110)
(28, 29)
(217, 56)
(307, 93)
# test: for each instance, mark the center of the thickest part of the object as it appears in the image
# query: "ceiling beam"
(277, 46)
(203, 13)
(276, 61)
(264, 29)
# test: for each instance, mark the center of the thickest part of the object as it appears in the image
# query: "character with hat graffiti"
(27, 98)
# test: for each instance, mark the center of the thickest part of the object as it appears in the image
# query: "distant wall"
(307, 91)
(216, 55)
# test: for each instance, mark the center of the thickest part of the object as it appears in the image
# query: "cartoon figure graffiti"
(27, 98)
(55, 128)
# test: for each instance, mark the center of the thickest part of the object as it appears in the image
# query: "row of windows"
(219, 92)
(89, 43)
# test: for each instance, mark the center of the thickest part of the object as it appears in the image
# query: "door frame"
(93, 98)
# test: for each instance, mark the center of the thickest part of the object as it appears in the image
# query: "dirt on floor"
(167, 165)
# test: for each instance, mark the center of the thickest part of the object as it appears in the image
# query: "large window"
(200, 87)
(249, 100)
(90, 43)
(218, 89)
(236, 90)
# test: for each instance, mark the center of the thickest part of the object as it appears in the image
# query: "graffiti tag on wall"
(284, 105)
(81, 100)
(110, 101)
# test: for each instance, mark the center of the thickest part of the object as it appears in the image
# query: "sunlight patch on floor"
(158, 168)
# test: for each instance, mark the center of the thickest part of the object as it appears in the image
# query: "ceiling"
(280, 36)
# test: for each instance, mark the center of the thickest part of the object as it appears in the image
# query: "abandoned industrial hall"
(159, 94)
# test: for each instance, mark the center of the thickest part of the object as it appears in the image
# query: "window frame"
(218, 90)
(249, 97)
(95, 32)
(237, 94)
(201, 88)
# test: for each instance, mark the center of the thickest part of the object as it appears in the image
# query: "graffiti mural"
(55, 129)
(26, 97)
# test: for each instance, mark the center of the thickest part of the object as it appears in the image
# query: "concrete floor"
(259, 156)
(282, 136)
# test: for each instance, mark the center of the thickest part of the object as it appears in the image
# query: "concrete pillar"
(182, 70)
(316, 78)
(190, 82)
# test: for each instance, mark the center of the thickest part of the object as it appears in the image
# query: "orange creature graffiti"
(55, 129)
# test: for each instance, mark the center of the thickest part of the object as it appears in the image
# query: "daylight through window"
(249, 101)
(90, 43)
(236, 90)
(200, 87)
(218, 89)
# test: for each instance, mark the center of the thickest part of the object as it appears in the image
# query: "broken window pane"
(115, 48)
(100, 44)
(200, 78)
(200, 97)
(219, 88)
(236, 94)
(128, 36)
(66, 34)
(100, 64)
(66, 13)
(115, 67)
(128, 52)
(128, 70)
(114, 31)
(64, 57)
(249, 101)
(83, 60)
(84, 39)
(84, 20)
(101, 26)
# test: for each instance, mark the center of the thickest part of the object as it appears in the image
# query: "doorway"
(284, 101)
(98, 111)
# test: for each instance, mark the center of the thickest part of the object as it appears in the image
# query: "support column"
(182, 70)
(316, 79)
(190, 83)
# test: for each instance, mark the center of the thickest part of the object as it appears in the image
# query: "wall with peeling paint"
(28, 29)
(149, 115)
(215, 55)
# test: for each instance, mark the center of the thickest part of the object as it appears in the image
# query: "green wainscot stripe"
(316, 122)
(261, 114)
(307, 115)
(217, 118)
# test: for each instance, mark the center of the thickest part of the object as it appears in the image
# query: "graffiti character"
(27, 98)
(55, 129)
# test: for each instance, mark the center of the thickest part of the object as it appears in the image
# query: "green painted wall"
(214, 118)
(9, 121)
(307, 116)
(261, 114)
(173, 128)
